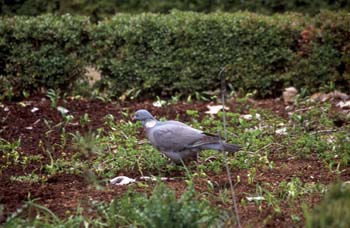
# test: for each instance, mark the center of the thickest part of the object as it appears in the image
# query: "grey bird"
(177, 140)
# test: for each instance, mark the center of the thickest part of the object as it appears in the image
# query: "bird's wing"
(172, 136)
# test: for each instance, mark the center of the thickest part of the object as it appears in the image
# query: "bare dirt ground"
(62, 193)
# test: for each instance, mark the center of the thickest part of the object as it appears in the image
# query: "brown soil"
(62, 193)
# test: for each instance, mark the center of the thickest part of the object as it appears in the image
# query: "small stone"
(339, 95)
(289, 95)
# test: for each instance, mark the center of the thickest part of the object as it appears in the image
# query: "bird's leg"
(197, 158)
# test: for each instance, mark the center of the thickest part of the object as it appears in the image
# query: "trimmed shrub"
(178, 53)
(335, 33)
(183, 52)
(45, 51)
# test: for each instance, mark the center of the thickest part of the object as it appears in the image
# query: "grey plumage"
(179, 141)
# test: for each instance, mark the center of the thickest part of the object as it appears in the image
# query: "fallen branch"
(324, 131)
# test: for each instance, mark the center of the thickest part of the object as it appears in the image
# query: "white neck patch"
(151, 123)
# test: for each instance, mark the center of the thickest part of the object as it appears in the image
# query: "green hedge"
(45, 51)
(179, 53)
(183, 52)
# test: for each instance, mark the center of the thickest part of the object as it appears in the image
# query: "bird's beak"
(133, 118)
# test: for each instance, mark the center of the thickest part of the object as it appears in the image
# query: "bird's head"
(143, 115)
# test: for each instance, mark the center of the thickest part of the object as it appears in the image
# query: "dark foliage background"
(98, 9)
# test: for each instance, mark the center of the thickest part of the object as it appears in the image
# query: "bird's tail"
(232, 148)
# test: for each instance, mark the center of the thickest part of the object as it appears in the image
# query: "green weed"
(334, 211)
(161, 209)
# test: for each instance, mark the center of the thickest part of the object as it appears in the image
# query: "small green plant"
(159, 102)
(251, 175)
(87, 144)
(9, 153)
(163, 209)
(31, 178)
(110, 122)
(292, 189)
(36, 215)
(225, 196)
(84, 120)
(53, 96)
(6, 89)
(53, 167)
(194, 114)
(269, 197)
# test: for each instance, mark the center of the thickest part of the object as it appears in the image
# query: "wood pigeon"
(179, 141)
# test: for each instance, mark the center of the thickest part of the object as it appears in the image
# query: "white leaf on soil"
(250, 117)
(343, 105)
(281, 131)
(215, 109)
(159, 103)
(146, 178)
(122, 180)
(62, 110)
(331, 139)
(255, 198)
(35, 109)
